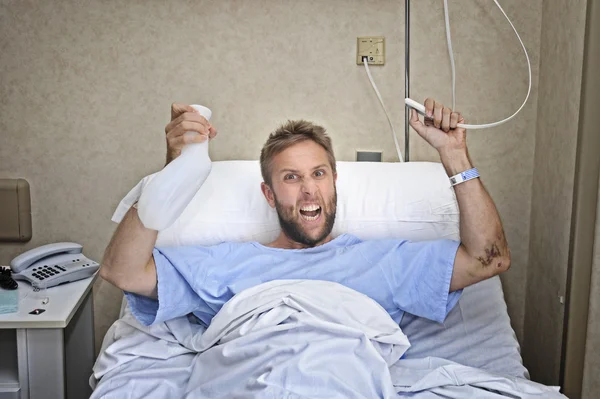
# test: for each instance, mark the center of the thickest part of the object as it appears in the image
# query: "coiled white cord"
(421, 108)
(384, 109)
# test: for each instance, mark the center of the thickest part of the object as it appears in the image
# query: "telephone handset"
(53, 264)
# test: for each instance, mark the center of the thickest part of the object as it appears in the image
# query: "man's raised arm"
(484, 251)
(128, 262)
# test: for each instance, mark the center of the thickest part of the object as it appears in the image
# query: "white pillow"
(411, 200)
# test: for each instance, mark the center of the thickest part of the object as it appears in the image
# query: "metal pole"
(406, 79)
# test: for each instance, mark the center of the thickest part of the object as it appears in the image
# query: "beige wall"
(591, 375)
(85, 89)
(562, 41)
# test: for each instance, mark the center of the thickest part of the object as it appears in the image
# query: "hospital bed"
(375, 200)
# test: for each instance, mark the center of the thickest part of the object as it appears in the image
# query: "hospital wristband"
(464, 176)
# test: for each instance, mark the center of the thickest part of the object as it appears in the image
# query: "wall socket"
(372, 47)
(368, 156)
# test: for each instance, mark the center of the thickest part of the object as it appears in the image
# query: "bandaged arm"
(128, 262)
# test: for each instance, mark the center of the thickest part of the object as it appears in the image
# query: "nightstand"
(49, 355)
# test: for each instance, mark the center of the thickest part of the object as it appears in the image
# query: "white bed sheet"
(477, 332)
(334, 342)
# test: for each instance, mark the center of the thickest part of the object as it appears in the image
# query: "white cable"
(487, 125)
(450, 53)
(420, 108)
(384, 109)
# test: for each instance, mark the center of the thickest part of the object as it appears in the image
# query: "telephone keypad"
(46, 271)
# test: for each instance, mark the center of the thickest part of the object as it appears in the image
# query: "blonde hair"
(288, 134)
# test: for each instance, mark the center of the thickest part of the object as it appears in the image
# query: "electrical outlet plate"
(372, 47)
(368, 156)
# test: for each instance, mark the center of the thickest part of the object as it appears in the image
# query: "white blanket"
(286, 339)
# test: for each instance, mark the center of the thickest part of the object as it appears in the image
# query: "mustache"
(291, 226)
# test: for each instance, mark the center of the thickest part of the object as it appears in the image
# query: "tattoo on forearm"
(490, 254)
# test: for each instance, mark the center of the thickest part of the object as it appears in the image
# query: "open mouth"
(310, 212)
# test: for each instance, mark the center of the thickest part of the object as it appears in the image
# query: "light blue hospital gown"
(402, 276)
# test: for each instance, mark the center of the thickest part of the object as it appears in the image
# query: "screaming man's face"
(303, 193)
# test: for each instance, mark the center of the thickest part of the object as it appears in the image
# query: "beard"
(291, 227)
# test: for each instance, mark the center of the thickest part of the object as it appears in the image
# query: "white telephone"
(53, 264)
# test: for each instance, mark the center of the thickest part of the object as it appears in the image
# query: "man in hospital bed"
(299, 171)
